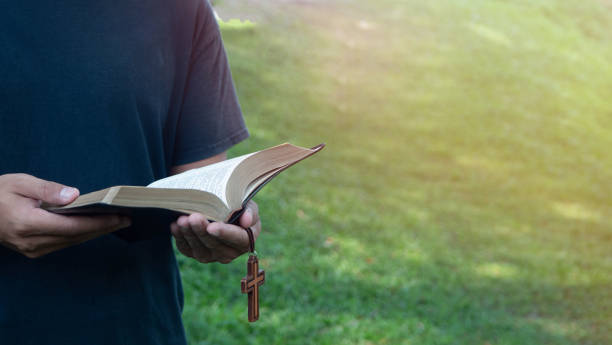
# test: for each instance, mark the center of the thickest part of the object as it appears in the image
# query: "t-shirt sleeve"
(210, 121)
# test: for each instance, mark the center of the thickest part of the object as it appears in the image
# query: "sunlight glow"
(573, 210)
(497, 270)
(490, 34)
(475, 161)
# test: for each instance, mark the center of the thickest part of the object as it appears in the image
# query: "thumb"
(250, 216)
(46, 191)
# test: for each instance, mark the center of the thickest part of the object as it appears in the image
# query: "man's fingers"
(232, 235)
(198, 249)
(37, 246)
(50, 192)
(216, 250)
(41, 222)
(198, 224)
(181, 242)
(194, 241)
(225, 254)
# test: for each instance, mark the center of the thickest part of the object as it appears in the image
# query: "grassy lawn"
(465, 193)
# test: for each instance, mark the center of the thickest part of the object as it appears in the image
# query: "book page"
(211, 178)
(253, 185)
(256, 170)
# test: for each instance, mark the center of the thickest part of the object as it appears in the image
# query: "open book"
(219, 191)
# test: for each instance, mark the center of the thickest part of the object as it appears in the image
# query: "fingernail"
(67, 193)
(247, 214)
(212, 231)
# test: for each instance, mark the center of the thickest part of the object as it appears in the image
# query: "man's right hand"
(33, 231)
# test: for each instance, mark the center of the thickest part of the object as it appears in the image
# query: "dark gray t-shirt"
(95, 94)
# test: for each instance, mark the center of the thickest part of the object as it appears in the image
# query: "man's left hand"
(204, 241)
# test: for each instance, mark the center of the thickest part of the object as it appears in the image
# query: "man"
(95, 94)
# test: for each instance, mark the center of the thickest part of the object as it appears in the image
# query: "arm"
(209, 242)
(210, 117)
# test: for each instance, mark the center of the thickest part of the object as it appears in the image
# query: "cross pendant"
(250, 284)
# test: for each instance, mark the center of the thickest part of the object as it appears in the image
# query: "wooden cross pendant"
(250, 284)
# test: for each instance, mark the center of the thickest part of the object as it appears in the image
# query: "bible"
(219, 191)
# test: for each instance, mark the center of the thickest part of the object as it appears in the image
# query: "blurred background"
(465, 191)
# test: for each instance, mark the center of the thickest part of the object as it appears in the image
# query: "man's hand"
(209, 242)
(32, 231)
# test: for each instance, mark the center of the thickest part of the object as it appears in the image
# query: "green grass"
(465, 193)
